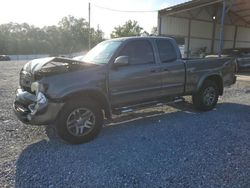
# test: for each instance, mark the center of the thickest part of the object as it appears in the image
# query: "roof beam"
(239, 4)
(242, 10)
(171, 10)
(245, 16)
(198, 13)
(230, 18)
(239, 17)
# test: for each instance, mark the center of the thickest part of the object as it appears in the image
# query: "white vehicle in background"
(182, 50)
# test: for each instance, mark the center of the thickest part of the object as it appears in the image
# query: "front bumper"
(44, 115)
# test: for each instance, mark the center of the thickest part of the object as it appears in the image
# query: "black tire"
(62, 127)
(200, 99)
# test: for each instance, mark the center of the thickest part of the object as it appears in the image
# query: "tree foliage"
(70, 35)
(154, 31)
(130, 28)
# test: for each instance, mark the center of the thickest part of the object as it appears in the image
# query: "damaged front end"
(35, 109)
(33, 103)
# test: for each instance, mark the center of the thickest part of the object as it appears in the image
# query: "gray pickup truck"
(116, 76)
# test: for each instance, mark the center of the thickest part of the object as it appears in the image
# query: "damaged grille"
(25, 81)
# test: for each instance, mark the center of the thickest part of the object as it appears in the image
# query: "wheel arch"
(215, 78)
(96, 95)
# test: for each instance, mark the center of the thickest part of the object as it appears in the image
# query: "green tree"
(70, 35)
(96, 37)
(74, 32)
(154, 31)
(130, 28)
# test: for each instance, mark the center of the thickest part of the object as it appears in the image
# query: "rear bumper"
(230, 81)
(243, 65)
(44, 115)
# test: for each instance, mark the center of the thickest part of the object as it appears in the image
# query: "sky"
(50, 12)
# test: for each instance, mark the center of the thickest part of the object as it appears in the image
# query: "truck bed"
(197, 69)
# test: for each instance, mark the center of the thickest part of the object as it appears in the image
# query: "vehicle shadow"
(171, 145)
(185, 106)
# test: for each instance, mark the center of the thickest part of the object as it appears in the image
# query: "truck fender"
(97, 95)
(217, 78)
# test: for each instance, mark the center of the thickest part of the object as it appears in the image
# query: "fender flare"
(214, 77)
(96, 94)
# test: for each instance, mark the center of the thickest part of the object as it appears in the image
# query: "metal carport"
(209, 24)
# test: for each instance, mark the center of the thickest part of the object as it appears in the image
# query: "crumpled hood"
(53, 64)
(37, 64)
(46, 68)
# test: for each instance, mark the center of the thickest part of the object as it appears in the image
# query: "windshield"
(102, 53)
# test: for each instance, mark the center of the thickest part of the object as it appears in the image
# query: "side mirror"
(121, 61)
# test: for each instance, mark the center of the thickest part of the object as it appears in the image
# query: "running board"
(151, 104)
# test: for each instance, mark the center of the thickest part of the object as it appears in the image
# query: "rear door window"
(166, 51)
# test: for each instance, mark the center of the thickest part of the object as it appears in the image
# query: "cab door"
(140, 80)
(172, 68)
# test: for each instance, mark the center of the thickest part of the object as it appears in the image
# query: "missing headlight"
(41, 99)
(41, 103)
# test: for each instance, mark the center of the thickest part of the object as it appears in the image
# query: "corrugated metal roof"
(188, 6)
(241, 9)
(238, 8)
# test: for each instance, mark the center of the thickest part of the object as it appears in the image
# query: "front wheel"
(79, 121)
(207, 98)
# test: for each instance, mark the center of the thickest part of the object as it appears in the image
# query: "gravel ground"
(172, 146)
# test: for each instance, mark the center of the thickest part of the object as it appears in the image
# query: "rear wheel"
(80, 121)
(207, 98)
